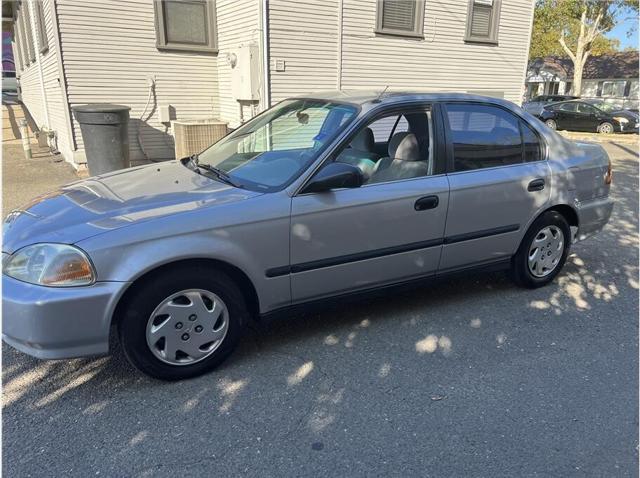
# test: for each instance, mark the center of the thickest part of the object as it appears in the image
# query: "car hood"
(99, 204)
(630, 115)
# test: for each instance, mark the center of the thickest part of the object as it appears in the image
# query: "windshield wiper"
(219, 173)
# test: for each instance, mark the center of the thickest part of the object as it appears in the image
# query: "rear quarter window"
(532, 149)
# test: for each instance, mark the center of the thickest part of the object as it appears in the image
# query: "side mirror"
(335, 175)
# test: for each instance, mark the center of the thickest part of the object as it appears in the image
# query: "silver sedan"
(329, 196)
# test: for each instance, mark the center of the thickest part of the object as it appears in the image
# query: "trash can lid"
(100, 108)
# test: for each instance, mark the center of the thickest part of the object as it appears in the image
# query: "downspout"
(264, 48)
(36, 34)
(339, 69)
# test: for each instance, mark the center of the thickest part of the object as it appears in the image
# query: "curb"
(603, 138)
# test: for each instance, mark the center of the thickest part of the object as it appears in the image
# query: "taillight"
(608, 177)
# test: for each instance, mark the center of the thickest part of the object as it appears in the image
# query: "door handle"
(427, 202)
(536, 185)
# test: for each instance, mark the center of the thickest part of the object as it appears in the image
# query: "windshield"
(608, 107)
(270, 151)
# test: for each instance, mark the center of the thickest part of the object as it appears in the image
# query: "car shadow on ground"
(38, 384)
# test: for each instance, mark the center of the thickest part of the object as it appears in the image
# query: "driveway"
(467, 377)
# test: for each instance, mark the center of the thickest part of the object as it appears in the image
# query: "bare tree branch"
(593, 30)
(566, 48)
(583, 23)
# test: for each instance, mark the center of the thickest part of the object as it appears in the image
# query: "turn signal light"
(608, 177)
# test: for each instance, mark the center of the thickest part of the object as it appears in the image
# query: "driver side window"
(392, 147)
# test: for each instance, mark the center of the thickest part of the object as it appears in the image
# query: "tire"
(551, 124)
(605, 128)
(544, 271)
(184, 290)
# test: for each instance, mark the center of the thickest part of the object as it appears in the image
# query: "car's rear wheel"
(543, 251)
(605, 128)
(182, 323)
(551, 124)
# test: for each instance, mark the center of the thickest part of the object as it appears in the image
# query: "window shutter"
(481, 20)
(26, 23)
(42, 29)
(398, 15)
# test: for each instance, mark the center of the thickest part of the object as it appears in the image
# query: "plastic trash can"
(105, 136)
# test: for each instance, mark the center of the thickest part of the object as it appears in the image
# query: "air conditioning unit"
(192, 137)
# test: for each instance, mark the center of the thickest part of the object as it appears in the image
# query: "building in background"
(613, 78)
(226, 60)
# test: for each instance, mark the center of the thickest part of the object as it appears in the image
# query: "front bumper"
(593, 215)
(629, 127)
(58, 322)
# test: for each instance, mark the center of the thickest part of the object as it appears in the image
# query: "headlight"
(54, 265)
(621, 119)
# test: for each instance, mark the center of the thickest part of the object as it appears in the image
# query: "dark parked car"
(537, 104)
(585, 116)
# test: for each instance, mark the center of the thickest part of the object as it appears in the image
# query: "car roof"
(577, 100)
(373, 98)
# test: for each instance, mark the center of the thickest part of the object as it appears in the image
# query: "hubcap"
(546, 251)
(551, 124)
(187, 327)
(606, 128)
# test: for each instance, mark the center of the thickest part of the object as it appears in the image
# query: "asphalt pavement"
(467, 377)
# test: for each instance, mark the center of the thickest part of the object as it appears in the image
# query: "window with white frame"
(613, 88)
(482, 21)
(400, 17)
(186, 25)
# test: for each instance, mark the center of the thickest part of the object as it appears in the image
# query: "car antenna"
(377, 100)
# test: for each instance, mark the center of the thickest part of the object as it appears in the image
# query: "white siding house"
(184, 57)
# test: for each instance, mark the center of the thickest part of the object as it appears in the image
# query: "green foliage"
(554, 17)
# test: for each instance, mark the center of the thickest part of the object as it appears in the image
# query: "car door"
(566, 116)
(587, 117)
(498, 182)
(386, 231)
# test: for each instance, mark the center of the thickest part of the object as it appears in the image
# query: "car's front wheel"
(551, 124)
(543, 251)
(605, 128)
(182, 323)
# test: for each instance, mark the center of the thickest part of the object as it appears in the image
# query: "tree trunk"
(578, 68)
(583, 48)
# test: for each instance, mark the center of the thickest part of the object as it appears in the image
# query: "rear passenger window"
(570, 107)
(483, 136)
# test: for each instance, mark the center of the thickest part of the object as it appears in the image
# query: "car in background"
(583, 115)
(614, 109)
(537, 104)
(9, 83)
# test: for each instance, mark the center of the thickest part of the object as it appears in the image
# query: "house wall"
(48, 110)
(590, 90)
(306, 36)
(239, 24)
(110, 55)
